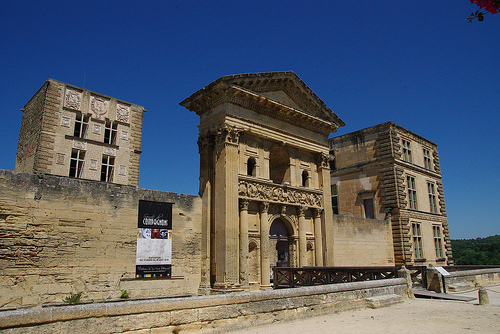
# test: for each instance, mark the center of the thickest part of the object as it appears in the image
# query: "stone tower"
(70, 131)
(264, 177)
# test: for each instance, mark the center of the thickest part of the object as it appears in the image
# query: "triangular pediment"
(283, 89)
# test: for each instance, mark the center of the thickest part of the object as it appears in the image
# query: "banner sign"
(154, 240)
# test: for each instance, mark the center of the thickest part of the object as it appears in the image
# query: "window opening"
(432, 197)
(417, 240)
(110, 132)
(412, 192)
(76, 163)
(107, 168)
(427, 159)
(81, 125)
(407, 151)
(251, 163)
(279, 165)
(437, 241)
(335, 204)
(369, 211)
(305, 179)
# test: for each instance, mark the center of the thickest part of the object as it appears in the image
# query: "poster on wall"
(154, 240)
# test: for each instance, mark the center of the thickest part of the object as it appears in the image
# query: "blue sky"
(418, 64)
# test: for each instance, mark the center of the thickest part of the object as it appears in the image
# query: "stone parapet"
(216, 313)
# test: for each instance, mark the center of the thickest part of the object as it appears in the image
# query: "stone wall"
(462, 280)
(60, 235)
(215, 314)
(362, 242)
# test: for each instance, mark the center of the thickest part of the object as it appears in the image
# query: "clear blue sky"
(419, 64)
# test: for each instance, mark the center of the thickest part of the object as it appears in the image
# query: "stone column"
(323, 163)
(302, 236)
(244, 242)
(225, 206)
(205, 145)
(318, 237)
(265, 266)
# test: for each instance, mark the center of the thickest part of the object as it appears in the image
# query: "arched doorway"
(279, 250)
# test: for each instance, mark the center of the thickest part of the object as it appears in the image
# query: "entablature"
(263, 190)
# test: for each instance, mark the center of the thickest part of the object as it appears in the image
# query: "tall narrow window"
(368, 206)
(427, 159)
(76, 163)
(432, 197)
(335, 204)
(305, 179)
(407, 151)
(417, 240)
(110, 132)
(81, 125)
(412, 192)
(251, 163)
(436, 229)
(107, 168)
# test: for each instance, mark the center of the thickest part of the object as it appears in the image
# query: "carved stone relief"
(99, 107)
(272, 193)
(96, 129)
(93, 164)
(227, 134)
(122, 112)
(124, 135)
(122, 170)
(73, 99)
(65, 121)
(109, 151)
(80, 145)
(60, 158)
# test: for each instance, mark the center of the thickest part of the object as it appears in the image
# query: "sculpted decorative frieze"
(323, 160)
(278, 194)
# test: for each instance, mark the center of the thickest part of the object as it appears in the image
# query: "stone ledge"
(383, 301)
(206, 308)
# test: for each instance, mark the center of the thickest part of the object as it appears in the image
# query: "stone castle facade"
(70, 131)
(388, 172)
(269, 194)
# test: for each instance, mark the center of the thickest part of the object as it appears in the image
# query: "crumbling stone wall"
(60, 235)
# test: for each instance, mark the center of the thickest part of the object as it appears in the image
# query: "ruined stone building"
(264, 177)
(386, 172)
(74, 220)
(73, 132)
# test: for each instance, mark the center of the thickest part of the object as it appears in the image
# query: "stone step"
(383, 301)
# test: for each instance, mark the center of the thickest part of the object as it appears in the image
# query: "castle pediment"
(282, 95)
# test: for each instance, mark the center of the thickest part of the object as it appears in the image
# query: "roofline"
(389, 123)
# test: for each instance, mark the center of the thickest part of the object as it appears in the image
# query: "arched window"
(305, 179)
(251, 163)
(279, 165)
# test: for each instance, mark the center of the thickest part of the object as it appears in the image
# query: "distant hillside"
(480, 251)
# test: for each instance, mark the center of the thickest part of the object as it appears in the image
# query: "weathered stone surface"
(80, 236)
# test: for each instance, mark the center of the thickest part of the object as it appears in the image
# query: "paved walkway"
(412, 316)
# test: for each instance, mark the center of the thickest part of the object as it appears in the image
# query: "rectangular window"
(412, 192)
(107, 168)
(407, 151)
(417, 240)
(335, 204)
(438, 245)
(76, 163)
(368, 205)
(427, 159)
(432, 197)
(110, 132)
(81, 125)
